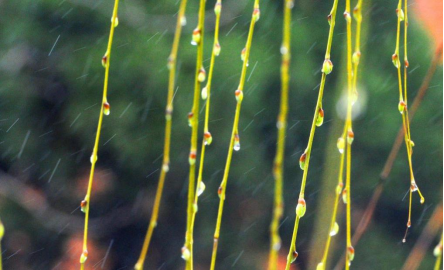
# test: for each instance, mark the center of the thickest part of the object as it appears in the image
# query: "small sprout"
(217, 8)
(294, 256)
(347, 17)
(327, 67)
(166, 167)
(284, 49)
(341, 145)
(339, 188)
(344, 196)
(402, 106)
(192, 158)
(116, 21)
(195, 208)
(216, 49)
(236, 146)
(2, 230)
(202, 75)
(168, 113)
(400, 14)
(329, 18)
(186, 254)
(219, 191)
(437, 251)
(83, 205)
(183, 21)
(356, 13)
(106, 108)
(239, 94)
(105, 60)
(256, 14)
(422, 200)
(301, 208)
(243, 53)
(290, 4)
(413, 186)
(302, 160)
(356, 57)
(208, 139)
(170, 62)
(190, 118)
(409, 224)
(334, 231)
(93, 158)
(406, 63)
(84, 256)
(196, 37)
(350, 136)
(204, 93)
(395, 60)
(320, 119)
(350, 253)
(200, 188)
(320, 266)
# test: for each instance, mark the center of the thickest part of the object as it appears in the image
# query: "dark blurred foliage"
(51, 87)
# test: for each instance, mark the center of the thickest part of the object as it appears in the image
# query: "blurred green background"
(51, 87)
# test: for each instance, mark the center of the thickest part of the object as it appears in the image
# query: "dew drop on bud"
(341, 145)
(83, 205)
(334, 231)
(165, 167)
(190, 118)
(106, 108)
(320, 119)
(208, 139)
(2, 230)
(202, 75)
(400, 14)
(437, 251)
(217, 8)
(344, 196)
(294, 256)
(216, 49)
(327, 67)
(413, 186)
(301, 208)
(356, 57)
(302, 160)
(290, 4)
(200, 188)
(256, 14)
(284, 49)
(395, 60)
(93, 158)
(350, 253)
(409, 224)
(320, 266)
(84, 256)
(105, 60)
(236, 146)
(204, 93)
(192, 158)
(183, 21)
(168, 113)
(196, 37)
(422, 200)
(116, 21)
(402, 106)
(186, 253)
(350, 136)
(239, 94)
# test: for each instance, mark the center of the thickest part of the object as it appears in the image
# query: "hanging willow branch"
(172, 60)
(104, 110)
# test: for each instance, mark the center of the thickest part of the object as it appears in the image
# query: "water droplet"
(334, 231)
(341, 145)
(186, 253)
(93, 158)
(320, 266)
(183, 21)
(437, 251)
(165, 167)
(236, 146)
(204, 93)
(327, 67)
(239, 94)
(84, 256)
(284, 49)
(200, 188)
(301, 208)
(116, 21)
(202, 75)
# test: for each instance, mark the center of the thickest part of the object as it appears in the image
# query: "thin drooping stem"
(2, 233)
(278, 166)
(193, 117)
(172, 60)
(234, 140)
(403, 104)
(428, 234)
(207, 137)
(438, 254)
(317, 121)
(385, 173)
(104, 109)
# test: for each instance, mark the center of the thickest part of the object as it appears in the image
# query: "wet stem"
(234, 133)
(86, 203)
(292, 254)
(168, 123)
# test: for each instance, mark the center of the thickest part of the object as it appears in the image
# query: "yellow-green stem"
(172, 59)
(332, 19)
(278, 166)
(223, 185)
(205, 140)
(87, 199)
(439, 257)
(194, 135)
